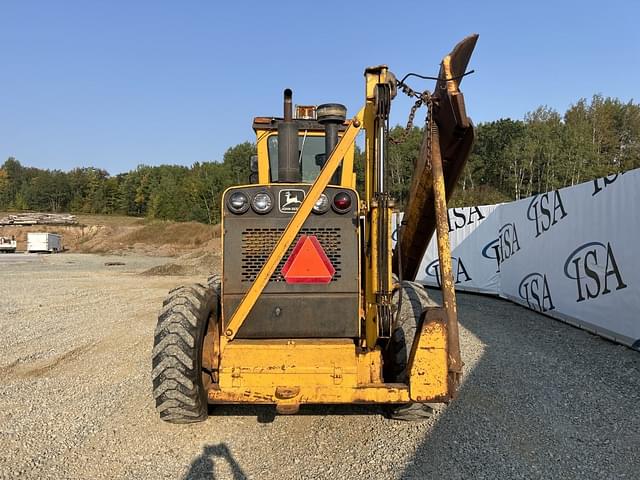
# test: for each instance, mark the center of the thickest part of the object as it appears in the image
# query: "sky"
(121, 83)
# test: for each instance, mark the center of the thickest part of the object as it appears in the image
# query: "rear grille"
(258, 243)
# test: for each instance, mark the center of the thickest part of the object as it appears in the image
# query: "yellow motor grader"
(315, 304)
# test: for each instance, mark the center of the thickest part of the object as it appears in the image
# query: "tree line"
(511, 159)
(167, 192)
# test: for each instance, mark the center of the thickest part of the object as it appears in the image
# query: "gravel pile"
(540, 398)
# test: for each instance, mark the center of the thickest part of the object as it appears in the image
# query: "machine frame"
(290, 372)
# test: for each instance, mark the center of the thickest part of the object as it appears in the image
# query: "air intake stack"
(331, 115)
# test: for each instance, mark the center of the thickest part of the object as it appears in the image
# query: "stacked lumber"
(39, 219)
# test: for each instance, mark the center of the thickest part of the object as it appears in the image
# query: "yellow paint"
(263, 156)
(370, 367)
(371, 319)
(330, 371)
(310, 371)
(373, 77)
(348, 178)
(375, 393)
(295, 363)
(452, 85)
(292, 372)
(428, 361)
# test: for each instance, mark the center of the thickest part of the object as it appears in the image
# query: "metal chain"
(422, 98)
(429, 125)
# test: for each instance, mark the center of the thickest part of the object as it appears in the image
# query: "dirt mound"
(193, 263)
(171, 269)
(166, 239)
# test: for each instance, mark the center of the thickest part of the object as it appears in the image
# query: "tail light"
(342, 202)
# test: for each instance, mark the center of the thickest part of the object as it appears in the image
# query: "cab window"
(309, 148)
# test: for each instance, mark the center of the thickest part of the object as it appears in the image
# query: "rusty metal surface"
(444, 254)
(447, 111)
(211, 348)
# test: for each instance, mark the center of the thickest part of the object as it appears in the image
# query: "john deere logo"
(290, 200)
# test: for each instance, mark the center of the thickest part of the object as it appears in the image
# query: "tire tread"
(176, 356)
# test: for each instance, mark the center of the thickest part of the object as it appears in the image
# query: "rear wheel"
(179, 381)
(408, 310)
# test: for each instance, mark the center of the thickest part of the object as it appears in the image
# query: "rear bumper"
(291, 372)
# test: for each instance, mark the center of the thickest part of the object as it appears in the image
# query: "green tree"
(237, 160)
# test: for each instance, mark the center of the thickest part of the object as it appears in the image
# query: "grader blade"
(455, 139)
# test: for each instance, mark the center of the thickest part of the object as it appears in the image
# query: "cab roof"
(271, 123)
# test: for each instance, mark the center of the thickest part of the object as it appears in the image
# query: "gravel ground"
(540, 398)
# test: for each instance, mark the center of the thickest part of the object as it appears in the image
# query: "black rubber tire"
(414, 300)
(178, 386)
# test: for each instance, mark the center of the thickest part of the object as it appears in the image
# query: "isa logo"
(460, 272)
(534, 289)
(503, 247)
(546, 210)
(595, 270)
(460, 217)
(600, 184)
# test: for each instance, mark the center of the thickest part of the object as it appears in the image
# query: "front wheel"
(178, 377)
(408, 310)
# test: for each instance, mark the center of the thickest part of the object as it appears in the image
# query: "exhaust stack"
(288, 165)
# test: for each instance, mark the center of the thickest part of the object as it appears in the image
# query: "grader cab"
(314, 305)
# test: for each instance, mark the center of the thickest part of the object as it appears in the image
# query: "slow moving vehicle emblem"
(290, 200)
(308, 263)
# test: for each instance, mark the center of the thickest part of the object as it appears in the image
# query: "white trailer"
(8, 245)
(44, 242)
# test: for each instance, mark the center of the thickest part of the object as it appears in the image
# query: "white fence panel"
(571, 254)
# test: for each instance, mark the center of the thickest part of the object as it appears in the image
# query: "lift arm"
(446, 145)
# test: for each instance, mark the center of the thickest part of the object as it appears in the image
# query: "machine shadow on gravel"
(203, 467)
(544, 400)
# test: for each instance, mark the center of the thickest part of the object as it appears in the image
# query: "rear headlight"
(262, 203)
(342, 202)
(238, 203)
(322, 204)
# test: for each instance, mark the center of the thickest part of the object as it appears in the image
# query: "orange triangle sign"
(308, 263)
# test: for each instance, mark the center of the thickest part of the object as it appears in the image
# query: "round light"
(342, 202)
(238, 203)
(262, 203)
(322, 204)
